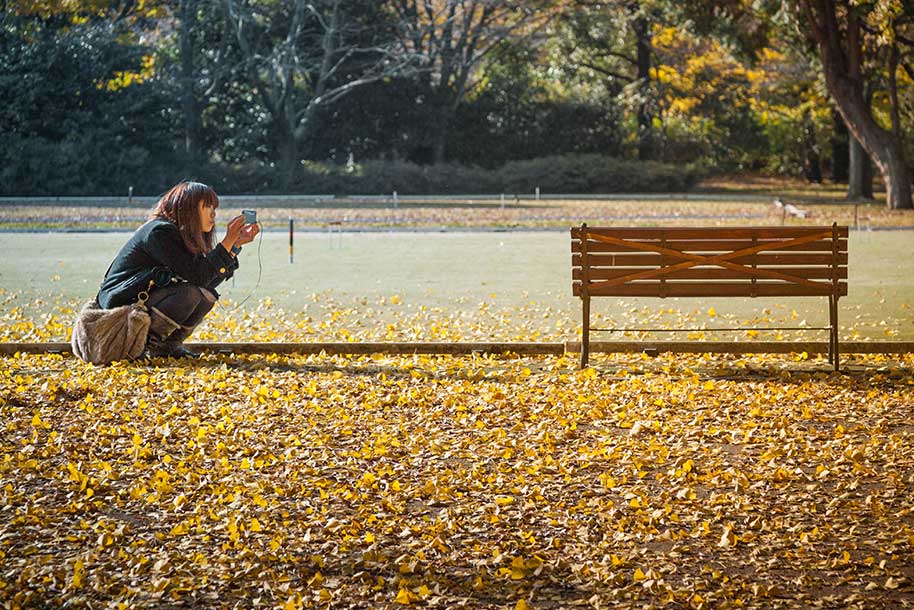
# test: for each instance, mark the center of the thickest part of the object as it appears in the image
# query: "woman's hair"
(180, 205)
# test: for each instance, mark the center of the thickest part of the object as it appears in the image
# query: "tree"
(299, 57)
(205, 63)
(519, 111)
(713, 99)
(837, 28)
(840, 149)
(78, 113)
(860, 169)
(794, 110)
(612, 39)
(450, 38)
(373, 122)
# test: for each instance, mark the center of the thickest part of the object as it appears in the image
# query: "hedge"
(565, 174)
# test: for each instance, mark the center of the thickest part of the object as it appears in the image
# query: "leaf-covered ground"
(289, 482)
(335, 317)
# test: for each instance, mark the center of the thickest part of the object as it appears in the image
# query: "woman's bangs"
(210, 199)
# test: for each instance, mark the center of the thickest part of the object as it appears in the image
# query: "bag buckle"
(143, 296)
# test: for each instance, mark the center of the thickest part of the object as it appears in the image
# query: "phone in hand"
(250, 216)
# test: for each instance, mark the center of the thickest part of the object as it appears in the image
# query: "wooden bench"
(710, 262)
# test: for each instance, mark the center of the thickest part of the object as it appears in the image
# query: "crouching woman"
(171, 268)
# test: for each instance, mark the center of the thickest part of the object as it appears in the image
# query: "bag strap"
(144, 295)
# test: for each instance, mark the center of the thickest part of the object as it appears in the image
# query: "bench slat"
(709, 273)
(711, 246)
(762, 260)
(636, 233)
(707, 289)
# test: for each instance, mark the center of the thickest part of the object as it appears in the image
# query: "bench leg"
(831, 332)
(833, 320)
(585, 334)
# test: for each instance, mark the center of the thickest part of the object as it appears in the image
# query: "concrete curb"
(515, 348)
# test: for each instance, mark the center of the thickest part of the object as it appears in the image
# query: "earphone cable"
(259, 271)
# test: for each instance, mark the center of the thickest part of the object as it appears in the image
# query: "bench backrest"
(709, 261)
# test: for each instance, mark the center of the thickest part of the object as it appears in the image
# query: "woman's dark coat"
(158, 252)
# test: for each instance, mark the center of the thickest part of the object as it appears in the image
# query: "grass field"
(434, 286)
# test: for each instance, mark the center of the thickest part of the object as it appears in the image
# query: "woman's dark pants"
(176, 310)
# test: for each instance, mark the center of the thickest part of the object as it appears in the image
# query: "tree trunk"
(441, 131)
(886, 151)
(645, 119)
(860, 180)
(842, 69)
(860, 174)
(288, 152)
(812, 168)
(189, 105)
(840, 150)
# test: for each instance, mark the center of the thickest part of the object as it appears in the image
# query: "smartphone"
(250, 216)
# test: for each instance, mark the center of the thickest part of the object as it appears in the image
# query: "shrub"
(581, 174)
(566, 174)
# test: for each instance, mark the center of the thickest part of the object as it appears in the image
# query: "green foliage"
(514, 115)
(69, 128)
(386, 119)
(518, 115)
(744, 27)
(86, 109)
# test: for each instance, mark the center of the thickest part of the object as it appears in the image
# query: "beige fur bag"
(101, 336)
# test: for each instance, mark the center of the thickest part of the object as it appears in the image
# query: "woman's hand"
(233, 232)
(248, 233)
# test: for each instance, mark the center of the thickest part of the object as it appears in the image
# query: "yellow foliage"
(384, 480)
(123, 79)
(406, 597)
(79, 572)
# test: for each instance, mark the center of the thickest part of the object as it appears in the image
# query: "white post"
(130, 195)
(395, 198)
(502, 201)
(537, 193)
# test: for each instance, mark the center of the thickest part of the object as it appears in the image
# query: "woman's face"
(207, 216)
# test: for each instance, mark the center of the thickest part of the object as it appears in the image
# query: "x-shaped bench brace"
(720, 260)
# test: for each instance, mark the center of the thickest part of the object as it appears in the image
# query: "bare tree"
(299, 56)
(451, 38)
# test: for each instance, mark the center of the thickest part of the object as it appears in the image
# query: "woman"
(174, 250)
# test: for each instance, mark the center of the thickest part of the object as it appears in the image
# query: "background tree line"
(452, 95)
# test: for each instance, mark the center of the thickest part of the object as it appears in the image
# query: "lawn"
(433, 287)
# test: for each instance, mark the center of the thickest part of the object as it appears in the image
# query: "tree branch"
(220, 72)
(608, 72)
(893, 91)
(816, 28)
